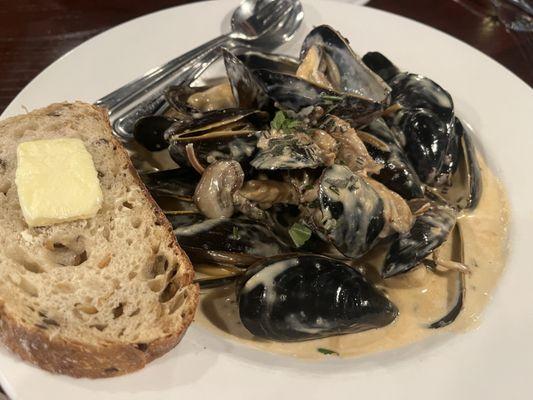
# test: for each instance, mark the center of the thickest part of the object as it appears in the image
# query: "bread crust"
(58, 355)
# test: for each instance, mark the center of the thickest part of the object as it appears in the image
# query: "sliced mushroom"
(214, 193)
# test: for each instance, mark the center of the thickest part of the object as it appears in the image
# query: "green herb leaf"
(235, 234)
(334, 189)
(327, 352)
(291, 124)
(329, 98)
(281, 122)
(299, 234)
(279, 119)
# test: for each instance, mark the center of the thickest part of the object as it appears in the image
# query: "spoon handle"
(131, 91)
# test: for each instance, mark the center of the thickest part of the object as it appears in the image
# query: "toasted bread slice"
(91, 298)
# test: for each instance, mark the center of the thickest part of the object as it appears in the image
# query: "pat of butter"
(56, 181)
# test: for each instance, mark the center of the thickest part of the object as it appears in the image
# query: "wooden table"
(33, 33)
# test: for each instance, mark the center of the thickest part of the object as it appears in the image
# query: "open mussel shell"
(179, 182)
(474, 183)
(429, 231)
(291, 152)
(173, 189)
(192, 101)
(255, 60)
(247, 91)
(350, 211)
(353, 75)
(452, 155)
(219, 135)
(237, 241)
(397, 172)
(293, 93)
(302, 297)
(427, 141)
(240, 148)
(464, 179)
(381, 65)
(150, 132)
(215, 125)
(414, 92)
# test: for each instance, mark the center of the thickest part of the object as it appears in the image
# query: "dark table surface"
(33, 33)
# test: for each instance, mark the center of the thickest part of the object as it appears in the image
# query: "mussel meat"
(324, 49)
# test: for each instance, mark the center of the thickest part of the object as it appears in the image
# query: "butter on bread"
(95, 297)
(56, 181)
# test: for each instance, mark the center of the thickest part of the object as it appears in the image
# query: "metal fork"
(255, 22)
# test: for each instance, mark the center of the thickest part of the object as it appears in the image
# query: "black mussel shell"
(427, 139)
(177, 96)
(218, 240)
(292, 93)
(239, 149)
(149, 132)
(247, 92)
(475, 183)
(381, 65)
(413, 92)
(214, 125)
(303, 297)
(287, 152)
(397, 173)
(350, 211)
(255, 60)
(355, 76)
(450, 162)
(429, 231)
(382, 131)
(171, 182)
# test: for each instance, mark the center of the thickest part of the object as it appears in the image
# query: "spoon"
(265, 23)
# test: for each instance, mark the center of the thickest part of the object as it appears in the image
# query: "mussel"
(430, 230)
(255, 60)
(396, 171)
(349, 212)
(280, 151)
(303, 297)
(238, 241)
(381, 65)
(219, 135)
(324, 48)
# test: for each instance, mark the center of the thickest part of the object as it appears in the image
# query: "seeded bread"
(91, 298)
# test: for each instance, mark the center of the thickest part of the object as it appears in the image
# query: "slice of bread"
(91, 298)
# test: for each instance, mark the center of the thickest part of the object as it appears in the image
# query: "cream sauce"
(421, 296)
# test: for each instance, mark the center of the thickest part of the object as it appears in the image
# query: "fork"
(270, 22)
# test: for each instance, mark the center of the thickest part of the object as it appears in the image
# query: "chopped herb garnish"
(299, 234)
(327, 352)
(277, 122)
(330, 98)
(235, 234)
(309, 186)
(281, 122)
(334, 189)
(314, 204)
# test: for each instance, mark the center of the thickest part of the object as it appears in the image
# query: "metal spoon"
(265, 23)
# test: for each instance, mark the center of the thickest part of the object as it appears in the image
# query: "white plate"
(492, 362)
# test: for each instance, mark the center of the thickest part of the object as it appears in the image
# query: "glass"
(516, 15)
